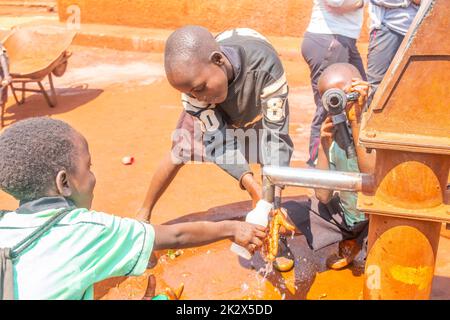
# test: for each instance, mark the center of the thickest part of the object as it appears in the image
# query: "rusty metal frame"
(51, 100)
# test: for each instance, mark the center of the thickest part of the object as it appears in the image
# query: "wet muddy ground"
(124, 106)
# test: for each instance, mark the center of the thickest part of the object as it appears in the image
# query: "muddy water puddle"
(214, 272)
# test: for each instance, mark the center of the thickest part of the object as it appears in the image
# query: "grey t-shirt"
(397, 15)
(257, 98)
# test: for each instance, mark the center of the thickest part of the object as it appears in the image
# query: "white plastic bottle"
(259, 215)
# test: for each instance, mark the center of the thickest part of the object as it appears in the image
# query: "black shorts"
(324, 224)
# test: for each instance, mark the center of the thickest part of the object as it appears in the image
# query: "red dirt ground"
(123, 105)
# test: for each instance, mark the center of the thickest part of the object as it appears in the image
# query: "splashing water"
(266, 270)
(261, 277)
(244, 287)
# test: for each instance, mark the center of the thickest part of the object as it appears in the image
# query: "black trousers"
(383, 46)
(324, 224)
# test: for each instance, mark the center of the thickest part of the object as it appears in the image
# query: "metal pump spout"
(312, 178)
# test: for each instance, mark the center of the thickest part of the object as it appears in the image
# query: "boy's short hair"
(188, 45)
(32, 152)
(337, 73)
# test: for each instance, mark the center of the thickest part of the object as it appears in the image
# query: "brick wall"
(270, 17)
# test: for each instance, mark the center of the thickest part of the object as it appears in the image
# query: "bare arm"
(253, 188)
(191, 234)
(366, 161)
(162, 178)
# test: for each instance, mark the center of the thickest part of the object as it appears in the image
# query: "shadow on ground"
(36, 106)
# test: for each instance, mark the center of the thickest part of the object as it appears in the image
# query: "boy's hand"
(249, 236)
(327, 134)
(286, 221)
(355, 109)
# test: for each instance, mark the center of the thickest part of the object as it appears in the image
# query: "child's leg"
(354, 247)
(313, 220)
(323, 225)
(361, 236)
(383, 46)
(348, 249)
(319, 223)
(354, 56)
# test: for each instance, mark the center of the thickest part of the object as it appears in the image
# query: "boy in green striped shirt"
(45, 164)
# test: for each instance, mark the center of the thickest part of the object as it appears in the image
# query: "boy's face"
(82, 180)
(344, 86)
(204, 81)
